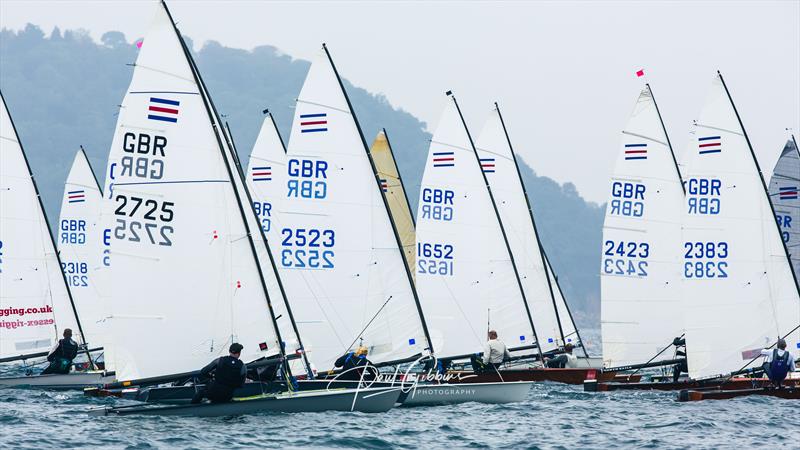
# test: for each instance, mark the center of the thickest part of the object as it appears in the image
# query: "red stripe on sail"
(163, 110)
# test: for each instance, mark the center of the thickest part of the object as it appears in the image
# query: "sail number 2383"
(705, 260)
(143, 220)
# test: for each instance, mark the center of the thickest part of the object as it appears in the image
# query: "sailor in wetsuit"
(228, 372)
(62, 355)
(778, 362)
(353, 363)
(680, 350)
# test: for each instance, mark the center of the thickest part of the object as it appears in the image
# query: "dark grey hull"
(365, 400)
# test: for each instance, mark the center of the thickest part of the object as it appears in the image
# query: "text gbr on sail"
(627, 199)
(147, 150)
(437, 204)
(703, 195)
(306, 178)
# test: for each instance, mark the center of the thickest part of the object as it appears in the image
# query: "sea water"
(552, 416)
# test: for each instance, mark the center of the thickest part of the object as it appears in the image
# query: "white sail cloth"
(498, 163)
(465, 276)
(784, 191)
(640, 267)
(340, 261)
(183, 271)
(738, 290)
(35, 305)
(80, 243)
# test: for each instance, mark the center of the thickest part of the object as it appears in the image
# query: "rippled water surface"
(553, 415)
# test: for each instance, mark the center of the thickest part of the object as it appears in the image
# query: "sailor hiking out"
(778, 363)
(355, 364)
(680, 351)
(62, 355)
(228, 373)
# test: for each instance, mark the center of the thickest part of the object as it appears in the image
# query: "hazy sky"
(563, 72)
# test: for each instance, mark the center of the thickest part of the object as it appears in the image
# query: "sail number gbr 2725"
(625, 258)
(143, 220)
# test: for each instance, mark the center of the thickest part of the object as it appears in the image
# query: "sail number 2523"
(307, 248)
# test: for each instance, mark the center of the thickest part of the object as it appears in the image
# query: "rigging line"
(732, 374)
(164, 92)
(323, 106)
(358, 336)
(657, 355)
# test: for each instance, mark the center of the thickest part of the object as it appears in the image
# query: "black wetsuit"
(61, 358)
(351, 363)
(228, 373)
(681, 367)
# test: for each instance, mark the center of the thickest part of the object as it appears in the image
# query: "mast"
(52, 241)
(669, 144)
(566, 305)
(214, 126)
(91, 169)
(399, 177)
(533, 222)
(277, 132)
(271, 259)
(761, 178)
(502, 229)
(385, 203)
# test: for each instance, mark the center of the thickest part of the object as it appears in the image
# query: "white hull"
(362, 400)
(448, 394)
(69, 381)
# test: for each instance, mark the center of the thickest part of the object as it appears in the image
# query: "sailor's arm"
(206, 371)
(52, 355)
(487, 352)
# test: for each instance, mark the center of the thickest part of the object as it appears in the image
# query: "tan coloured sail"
(392, 186)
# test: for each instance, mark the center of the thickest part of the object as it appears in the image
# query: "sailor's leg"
(199, 395)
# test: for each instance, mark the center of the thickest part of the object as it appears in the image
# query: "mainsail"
(35, 303)
(79, 240)
(640, 263)
(465, 272)
(739, 291)
(554, 325)
(784, 191)
(184, 270)
(340, 258)
(266, 176)
(396, 197)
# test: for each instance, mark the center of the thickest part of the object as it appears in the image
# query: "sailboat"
(641, 310)
(35, 299)
(740, 293)
(784, 191)
(184, 259)
(79, 241)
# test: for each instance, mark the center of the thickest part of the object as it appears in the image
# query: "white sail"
(738, 290)
(784, 191)
(465, 277)
(340, 261)
(183, 270)
(79, 240)
(35, 305)
(568, 326)
(640, 267)
(499, 164)
(265, 177)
